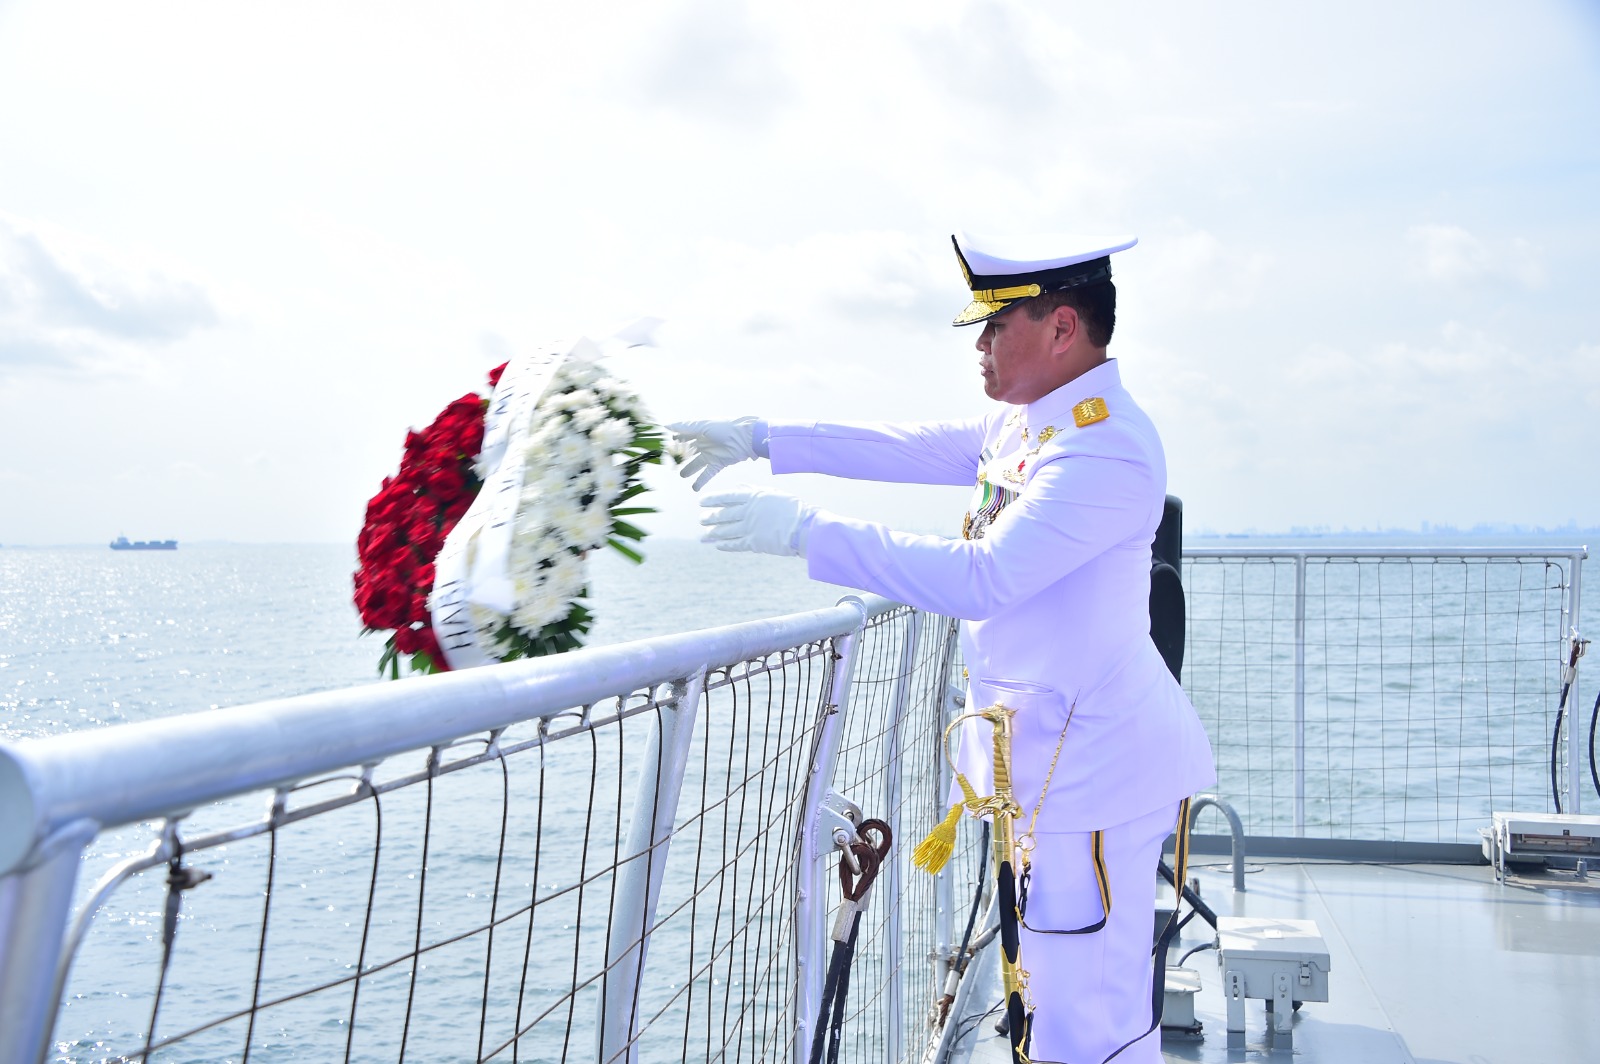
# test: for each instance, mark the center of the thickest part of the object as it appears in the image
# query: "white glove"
(712, 446)
(767, 522)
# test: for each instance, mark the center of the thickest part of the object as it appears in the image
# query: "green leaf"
(627, 531)
(631, 510)
(627, 552)
(389, 655)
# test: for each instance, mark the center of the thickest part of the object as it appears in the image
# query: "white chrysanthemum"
(582, 373)
(549, 419)
(533, 542)
(589, 417)
(581, 485)
(560, 511)
(612, 435)
(484, 620)
(592, 527)
(543, 606)
(552, 483)
(572, 451)
(565, 577)
(627, 404)
(608, 481)
(579, 398)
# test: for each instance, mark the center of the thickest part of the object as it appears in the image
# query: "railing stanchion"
(900, 700)
(811, 868)
(944, 892)
(35, 904)
(641, 867)
(1575, 751)
(1300, 695)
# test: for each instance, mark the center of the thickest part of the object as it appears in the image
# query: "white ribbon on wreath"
(473, 568)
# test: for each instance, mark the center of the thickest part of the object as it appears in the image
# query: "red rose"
(384, 607)
(447, 481)
(407, 519)
(418, 610)
(424, 536)
(430, 646)
(454, 513)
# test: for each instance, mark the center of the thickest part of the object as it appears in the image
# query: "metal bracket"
(1579, 646)
(837, 820)
(1233, 990)
(1282, 1011)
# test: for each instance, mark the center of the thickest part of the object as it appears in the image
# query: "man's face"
(1015, 356)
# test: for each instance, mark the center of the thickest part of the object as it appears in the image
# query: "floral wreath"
(460, 576)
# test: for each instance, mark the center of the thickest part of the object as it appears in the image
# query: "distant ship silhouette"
(121, 543)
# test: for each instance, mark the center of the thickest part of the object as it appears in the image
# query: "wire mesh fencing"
(615, 880)
(1382, 695)
(892, 765)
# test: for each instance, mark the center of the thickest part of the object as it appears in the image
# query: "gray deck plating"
(1430, 964)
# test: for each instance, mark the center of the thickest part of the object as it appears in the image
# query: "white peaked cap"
(1029, 253)
(1001, 271)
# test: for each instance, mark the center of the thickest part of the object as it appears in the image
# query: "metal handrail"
(121, 774)
(1386, 552)
(1235, 828)
(60, 792)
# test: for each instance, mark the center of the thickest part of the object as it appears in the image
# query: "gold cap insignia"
(1089, 411)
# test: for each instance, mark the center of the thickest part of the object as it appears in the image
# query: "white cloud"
(1189, 271)
(853, 277)
(65, 302)
(715, 61)
(1451, 255)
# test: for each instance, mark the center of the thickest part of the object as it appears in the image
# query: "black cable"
(1555, 751)
(962, 960)
(1594, 715)
(176, 882)
(834, 993)
(1189, 895)
(261, 945)
(971, 1023)
(366, 922)
(1568, 675)
(1197, 949)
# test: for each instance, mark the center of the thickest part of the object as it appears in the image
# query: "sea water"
(91, 638)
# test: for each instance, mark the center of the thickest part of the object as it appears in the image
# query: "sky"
(244, 246)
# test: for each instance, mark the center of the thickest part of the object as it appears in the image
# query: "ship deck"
(1429, 963)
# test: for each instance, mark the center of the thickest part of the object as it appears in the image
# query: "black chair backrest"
(1167, 607)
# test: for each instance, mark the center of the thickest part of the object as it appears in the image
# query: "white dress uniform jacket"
(1055, 593)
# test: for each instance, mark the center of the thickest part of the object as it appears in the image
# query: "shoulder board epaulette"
(1089, 411)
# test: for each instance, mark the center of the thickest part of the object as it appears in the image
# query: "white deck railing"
(1383, 693)
(613, 854)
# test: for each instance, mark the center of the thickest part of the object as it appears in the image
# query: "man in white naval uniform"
(1051, 579)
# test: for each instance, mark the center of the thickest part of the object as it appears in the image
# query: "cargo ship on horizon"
(122, 543)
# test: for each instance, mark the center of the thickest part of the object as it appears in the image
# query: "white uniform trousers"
(1092, 992)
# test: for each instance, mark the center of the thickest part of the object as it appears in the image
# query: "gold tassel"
(933, 852)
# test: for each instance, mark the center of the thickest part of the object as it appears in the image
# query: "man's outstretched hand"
(766, 522)
(711, 446)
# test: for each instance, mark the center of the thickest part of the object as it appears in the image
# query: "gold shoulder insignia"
(1089, 411)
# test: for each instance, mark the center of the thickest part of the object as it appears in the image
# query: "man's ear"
(1067, 326)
